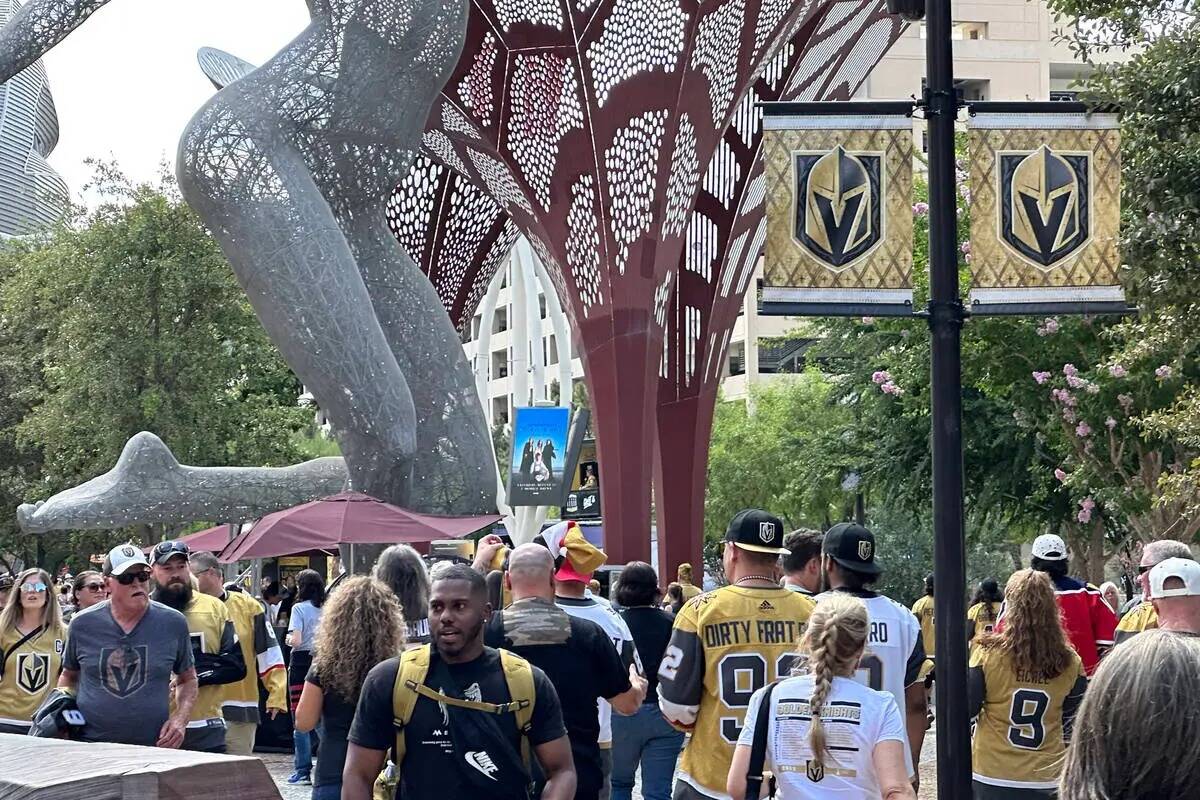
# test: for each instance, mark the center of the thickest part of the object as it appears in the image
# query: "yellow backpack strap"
(410, 678)
(519, 676)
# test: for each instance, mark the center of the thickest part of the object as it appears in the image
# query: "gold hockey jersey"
(29, 669)
(726, 645)
(1023, 723)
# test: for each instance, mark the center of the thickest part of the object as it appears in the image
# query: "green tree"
(792, 454)
(130, 319)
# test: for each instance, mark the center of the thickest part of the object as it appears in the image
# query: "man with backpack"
(463, 719)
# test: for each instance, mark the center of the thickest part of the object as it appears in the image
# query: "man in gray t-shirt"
(120, 657)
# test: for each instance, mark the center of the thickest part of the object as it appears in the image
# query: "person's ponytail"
(822, 663)
(832, 644)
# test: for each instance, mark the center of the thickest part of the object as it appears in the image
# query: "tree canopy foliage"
(127, 319)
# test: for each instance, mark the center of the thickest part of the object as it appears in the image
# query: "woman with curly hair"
(1025, 684)
(362, 626)
(828, 736)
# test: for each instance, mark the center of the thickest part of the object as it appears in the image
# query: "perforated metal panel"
(589, 123)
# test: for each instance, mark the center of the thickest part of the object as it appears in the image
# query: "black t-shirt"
(651, 629)
(430, 770)
(578, 658)
(337, 714)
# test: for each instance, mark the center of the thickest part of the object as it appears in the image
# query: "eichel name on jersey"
(726, 645)
(1024, 724)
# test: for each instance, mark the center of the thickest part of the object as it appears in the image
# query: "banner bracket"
(941, 311)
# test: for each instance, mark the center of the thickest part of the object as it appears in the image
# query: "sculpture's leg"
(453, 471)
(148, 487)
(290, 256)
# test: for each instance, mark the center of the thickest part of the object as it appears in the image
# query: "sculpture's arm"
(36, 28)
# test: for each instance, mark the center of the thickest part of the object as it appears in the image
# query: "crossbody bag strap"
(758, 750)
(4, 654)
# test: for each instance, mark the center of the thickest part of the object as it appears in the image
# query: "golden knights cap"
(756, 530)
(852, 546)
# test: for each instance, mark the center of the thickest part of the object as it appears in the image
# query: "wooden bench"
(55, 769)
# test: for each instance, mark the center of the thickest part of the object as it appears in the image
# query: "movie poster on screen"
(539, 454)
(1045, 183)
(839, 208)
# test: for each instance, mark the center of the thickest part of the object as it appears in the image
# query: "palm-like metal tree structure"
(468, 146)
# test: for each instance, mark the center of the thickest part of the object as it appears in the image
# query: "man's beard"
(175, 595)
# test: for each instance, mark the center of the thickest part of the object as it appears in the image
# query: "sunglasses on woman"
(33, 587)
(127, 578)
(93, 587)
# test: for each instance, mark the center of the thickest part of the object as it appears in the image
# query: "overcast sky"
(126, 82)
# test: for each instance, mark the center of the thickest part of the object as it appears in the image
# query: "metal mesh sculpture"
(34, 195)
(725, 238)
(826, 62)
(149, 486)
(291, 167)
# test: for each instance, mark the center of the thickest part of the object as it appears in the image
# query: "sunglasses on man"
(33, 587)
(127, 578)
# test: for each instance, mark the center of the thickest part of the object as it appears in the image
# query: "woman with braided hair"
(828, 736)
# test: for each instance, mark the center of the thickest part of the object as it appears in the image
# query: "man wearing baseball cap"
(120, 657)
(1089, 622)
(215, 648)
(1175, 593)
(1142, 616)
(571, 595)
(726, 645)
(894, 660)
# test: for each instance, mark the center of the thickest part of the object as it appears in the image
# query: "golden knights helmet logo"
(1044, 204)
(33, 672)
(839, 205)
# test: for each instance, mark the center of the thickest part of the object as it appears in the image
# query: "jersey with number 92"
(726, 645)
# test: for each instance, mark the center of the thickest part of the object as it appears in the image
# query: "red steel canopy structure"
(827, 60)
(531, 153)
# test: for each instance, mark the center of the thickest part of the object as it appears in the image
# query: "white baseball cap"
(1184, 569)
(122, 557)
(1049, 547)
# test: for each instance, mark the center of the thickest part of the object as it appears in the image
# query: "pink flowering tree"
(1074, 425)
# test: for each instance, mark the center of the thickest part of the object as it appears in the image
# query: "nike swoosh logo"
(482, 762)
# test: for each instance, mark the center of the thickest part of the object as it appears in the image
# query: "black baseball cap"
(851, 546)
(165, 551)
(756, 530)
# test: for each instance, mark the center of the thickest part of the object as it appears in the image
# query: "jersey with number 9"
(726, 645)
(1024, 723)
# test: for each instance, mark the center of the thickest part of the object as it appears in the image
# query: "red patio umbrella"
(212, 539)
(346, 518)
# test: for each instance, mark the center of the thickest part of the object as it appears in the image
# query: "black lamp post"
(945, 316)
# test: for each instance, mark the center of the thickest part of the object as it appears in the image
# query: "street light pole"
(945, 324)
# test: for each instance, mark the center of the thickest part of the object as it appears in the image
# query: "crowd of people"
(515, 678)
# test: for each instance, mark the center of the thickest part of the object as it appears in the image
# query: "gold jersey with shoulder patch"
(211, 630)
(29, 669)
(1023, 722)
(726, 645)
(1142, 617)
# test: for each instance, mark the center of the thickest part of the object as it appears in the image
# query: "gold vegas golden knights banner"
(839, 208)
(1045, 183)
